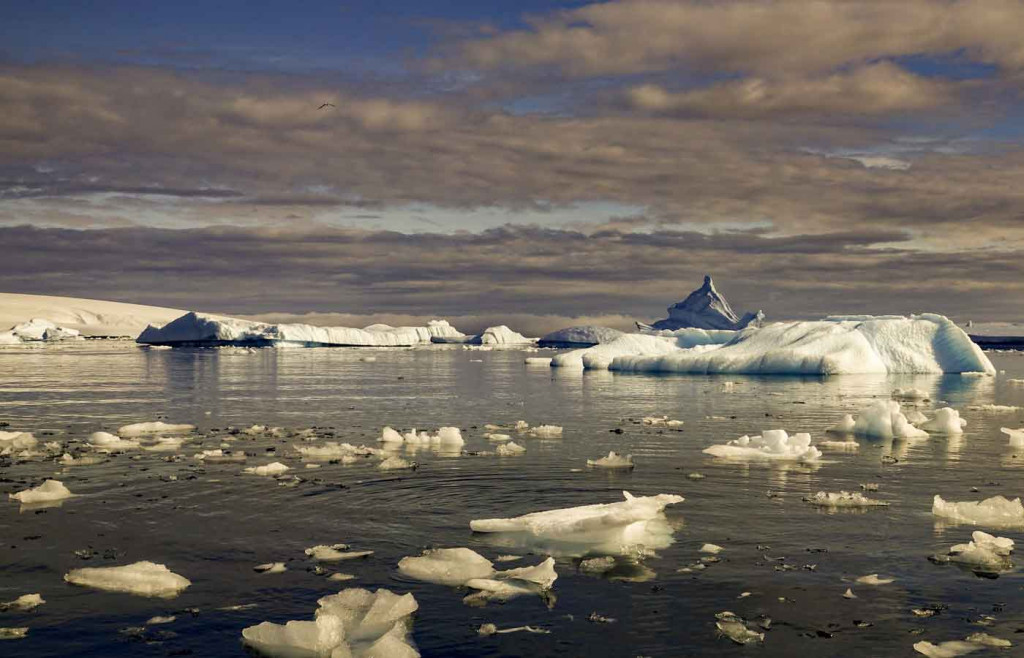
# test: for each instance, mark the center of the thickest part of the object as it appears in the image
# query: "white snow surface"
(923, 344)
(602, 529)
(141, 578)
(202, 328)
(90, 317)
(994, 512)
(355, 623)
(771, 445)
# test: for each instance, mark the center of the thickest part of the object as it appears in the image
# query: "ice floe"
(545, 432)
(843, 499)
(994, 512)
(601, 529)
(220, 456)
(355, 623)
(512, 583)
(48, 492)
(268, 470)
(141, 578)
(510, 449)
(660, 421)
(985, 553)
(446, 437)
(395, 463)
(335, 553)
(106, 442)
(946, 421)
(23, 603)
(772, 445)
(954, 648)
(16, 443)
(873, 579)
(270, 567)
(157, 427)
(612, 460)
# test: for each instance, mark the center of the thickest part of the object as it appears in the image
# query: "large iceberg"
(579, 336)
(602, 529)
(599, 357)
(920, 344)
(499, 335)
(198, 329)
(705, 308)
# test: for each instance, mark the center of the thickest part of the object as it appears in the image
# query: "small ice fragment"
(985, 553)
(869, 486)
(23, 603)
(915, 417)
(447, 566)
(510, 449)
(546, 432)
(734, 628)
(839, 445)
(166, 444)
(613, 460)
(950, 649)
(340, 577)
(987, 640)
(13, 633)
(995, 408)
(275, 468)
(491, 629)
(873, 579)
(885, 420)
(105, 442)
(48, 492)
(312, 466)
(508, 558)
(848, 594)
(538, 361)
(335, 553)
(158, 427)
(600, 619)
(1016, 436)
(711, 548)
(497, 437)
(505, 585)
(597, 564)
(772, 445)
(843, 499)
(695, 476)
(389, 435)
(140, 578)
(153, 621)
(270, 567)
(522, 426)
(915, 394)
(845, 426)
(946, 421)
(395, 463)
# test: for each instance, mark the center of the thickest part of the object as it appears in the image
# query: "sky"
(537, 161)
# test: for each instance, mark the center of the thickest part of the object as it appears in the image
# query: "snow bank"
(202, 329)
(583, 335)
(141, 578)
(994, 512)
(602, 529)
(612, 460)
(157, 427)
(772, 445)
(884, 419)
(836, 345)
(946, 421)
(48, 492)
(705, 308)
(355, 623)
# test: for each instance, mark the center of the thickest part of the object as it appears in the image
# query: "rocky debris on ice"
(946, 421)
(843, 499)
(23, 603)
(157, 427)
(510, 449)
(579, 336)
(994, 512)
(922, 344)
(772, 445)
(705, 308)
(612, 460)
(48, 492)
(601, 529)
(884, 419)
(355, 623)
(735, 628)
(1016, 436)
(985, 553)
(268, 470)
(211, 330)
(141, 578)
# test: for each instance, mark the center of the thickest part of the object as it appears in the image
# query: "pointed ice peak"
(705, 308)
(709, 284)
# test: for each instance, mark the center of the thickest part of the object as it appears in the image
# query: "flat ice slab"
(141, 578)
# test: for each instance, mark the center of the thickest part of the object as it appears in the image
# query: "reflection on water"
(213, 525)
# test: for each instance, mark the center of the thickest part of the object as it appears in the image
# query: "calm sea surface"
(213, 524)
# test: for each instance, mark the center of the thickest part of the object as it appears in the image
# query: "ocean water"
(213, 524)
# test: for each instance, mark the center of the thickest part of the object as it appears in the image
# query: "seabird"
(326, 105)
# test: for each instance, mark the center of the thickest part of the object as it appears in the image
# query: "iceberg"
(141, 578)
(355, 623)
(48, 492)
(580, 336)
(884, 419)
(600, 357)
(920, 344)
(772, 445)
(602, 529)
(37, 330)
(994, 512)
(705, 308)
(203, 330)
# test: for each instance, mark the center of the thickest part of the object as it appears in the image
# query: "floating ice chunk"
(505, 585)
(1016, 436)
(664, 421)
(846, 426)
(141, 578)
(839, 445)
(774, 445)
(914, 394)
(335, 553)
(543, 361)
(510, 449)
(447, 566)
(257, 430)
(987, 640)
(219, 456)
(491, 629)
(950, 649)
(522, 426)
(395, 463)
(341, 577)
(885, 420)
(612, 461)
(734, 628)
(985, 553)
(267, 470)
(546, 432)
(23, 603)
(167, 444)
(1015, 382)
(446, 437)
(994, 512)
(995, 408)
(946, 421)
(873, 579)
(602, 529)
(915, 417)
(497, 437)
(157, 427)
(848, 594)
(156, 621)
(297, 638)
(346, 453)
(8, 633)
(270, 567)
(389, 435)
(714, 549)
(843, 499)
(11, 442)
(598, 565)
(106, 442)
(48, 492)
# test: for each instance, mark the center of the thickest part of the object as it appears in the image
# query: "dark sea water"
(212, 524)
